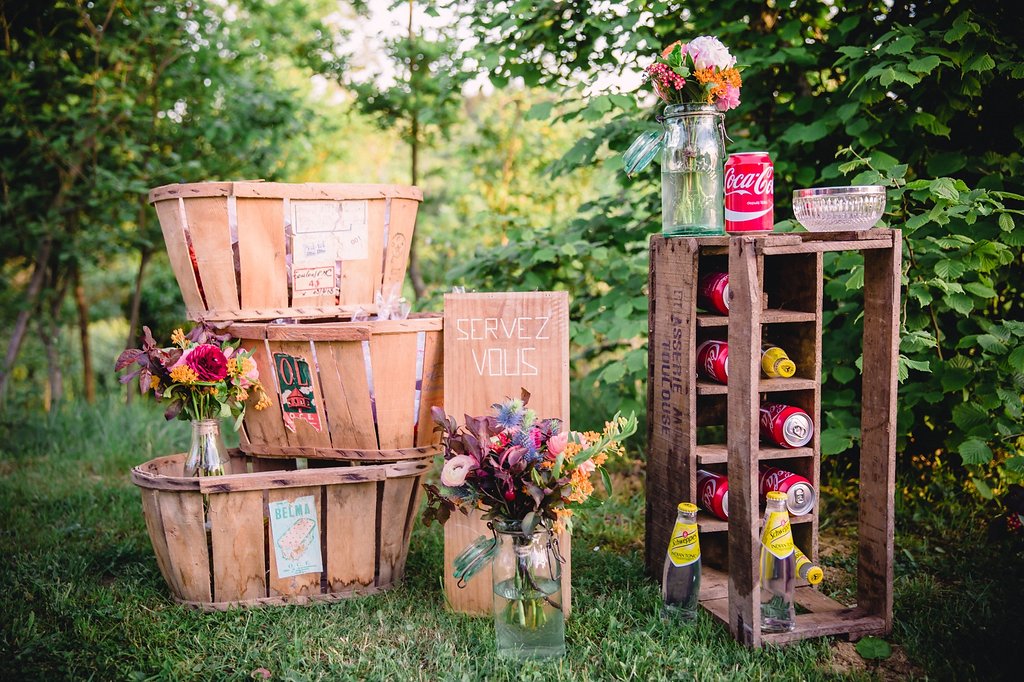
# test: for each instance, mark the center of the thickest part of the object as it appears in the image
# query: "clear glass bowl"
(836, 209)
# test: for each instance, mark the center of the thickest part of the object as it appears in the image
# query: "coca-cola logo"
(774, 479)
(750, 183)
(709, 356)
(708, 491)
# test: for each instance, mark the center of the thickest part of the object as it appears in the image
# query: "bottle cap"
(688, 507)
(814, 575)
(786, 368)
(776, 495)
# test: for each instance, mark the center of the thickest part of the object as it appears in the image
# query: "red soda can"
(749, 193)
(713, 292)
(799, 491)
(713, 361)
(713, 493)
(786, 425)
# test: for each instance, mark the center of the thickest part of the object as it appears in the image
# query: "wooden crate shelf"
(776, 292)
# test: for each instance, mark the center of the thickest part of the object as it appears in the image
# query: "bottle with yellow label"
(776, 363)
(778, 567)
(807, 569)
(680, 582)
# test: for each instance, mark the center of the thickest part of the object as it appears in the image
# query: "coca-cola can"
(713, 361)
(749, 193)
(798, 490)
(713, 493)
(713, 292)
(785, 425)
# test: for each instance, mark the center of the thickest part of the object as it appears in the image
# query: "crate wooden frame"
(678, 403)
(197, 220)
(365, 517)
(382, 424)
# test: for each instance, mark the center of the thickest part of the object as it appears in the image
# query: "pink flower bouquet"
(698, 72)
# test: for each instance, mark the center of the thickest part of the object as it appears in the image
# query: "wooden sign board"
(495, 345)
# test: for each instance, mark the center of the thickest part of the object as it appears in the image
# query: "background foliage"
(104, 100)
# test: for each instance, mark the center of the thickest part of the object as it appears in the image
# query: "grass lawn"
(83, 598)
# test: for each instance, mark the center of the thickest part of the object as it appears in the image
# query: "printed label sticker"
(684, 547)
(317, 281)
(329, 231)
(295, 386)
(296, 537)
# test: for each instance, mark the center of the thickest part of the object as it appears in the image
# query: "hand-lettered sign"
(495, 345)
(295, 386)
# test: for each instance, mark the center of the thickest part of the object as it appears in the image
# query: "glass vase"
(693, 171)
(527, 571)
(207, 456)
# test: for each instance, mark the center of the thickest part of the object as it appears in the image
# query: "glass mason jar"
(693, 171)
(527, 572)
(207, 456)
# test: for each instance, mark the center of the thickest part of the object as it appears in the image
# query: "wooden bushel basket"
(364, 518)
(346, 390)
(267, 250)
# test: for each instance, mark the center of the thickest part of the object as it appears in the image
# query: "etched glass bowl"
(836, 209)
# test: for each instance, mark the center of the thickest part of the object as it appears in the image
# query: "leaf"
(843, 374)
(982, 488)
(924, 65)
(1005, 222)
(961, 303)
(607, 479)
(949, 268)
(980, 63)
(1016, 359)
(975, 451)
(873, 648)
(835, 441)
(1015, 464)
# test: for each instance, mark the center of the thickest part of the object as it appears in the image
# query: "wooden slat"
(298, 312)
(305, 583)
(279, 190)
(395, 455)
(184, 530)
(393, 514)
(743, 429)
(705, 387)
(155, 527)
(769, 316)
(236, 534)
(401, 228)
(211, 238)
(266, 426)
(393, 358)
(671, 395)
(172, 224)
(345, 331)
(261, 253)
(821, 246)
(343, 371)
(351, 536)
(882, 271)
(431, 387)
(360, 279)
(290, 479)
(717, 453)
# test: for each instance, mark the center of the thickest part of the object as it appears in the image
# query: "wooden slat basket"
(213, 541)
(346, 390)
(267, 250)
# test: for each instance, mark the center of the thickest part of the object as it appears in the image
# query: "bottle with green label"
(778, 567)
(680, 582)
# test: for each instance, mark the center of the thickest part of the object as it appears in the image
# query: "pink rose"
(456, 469)
(208, 362)
(730, 100)
(708, 52)
(557, 443)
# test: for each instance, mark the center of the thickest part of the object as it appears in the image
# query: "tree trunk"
(133, 321)
(419, 287)
(82, 305)
(49, 334)
(35, 286)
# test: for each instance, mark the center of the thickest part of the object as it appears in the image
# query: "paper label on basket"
(328, 231)
(293, 525)
(295, 386)
(317, 281)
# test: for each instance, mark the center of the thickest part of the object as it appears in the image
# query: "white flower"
(456, 469)
(708, 51)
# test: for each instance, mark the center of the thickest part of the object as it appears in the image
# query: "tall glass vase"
(528, 618)
(693, 171)
(207, 456)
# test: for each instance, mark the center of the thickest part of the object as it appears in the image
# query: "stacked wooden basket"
(284, 268)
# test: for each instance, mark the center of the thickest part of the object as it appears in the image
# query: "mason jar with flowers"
(205, 377)
(698, 81)
(527, 475)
